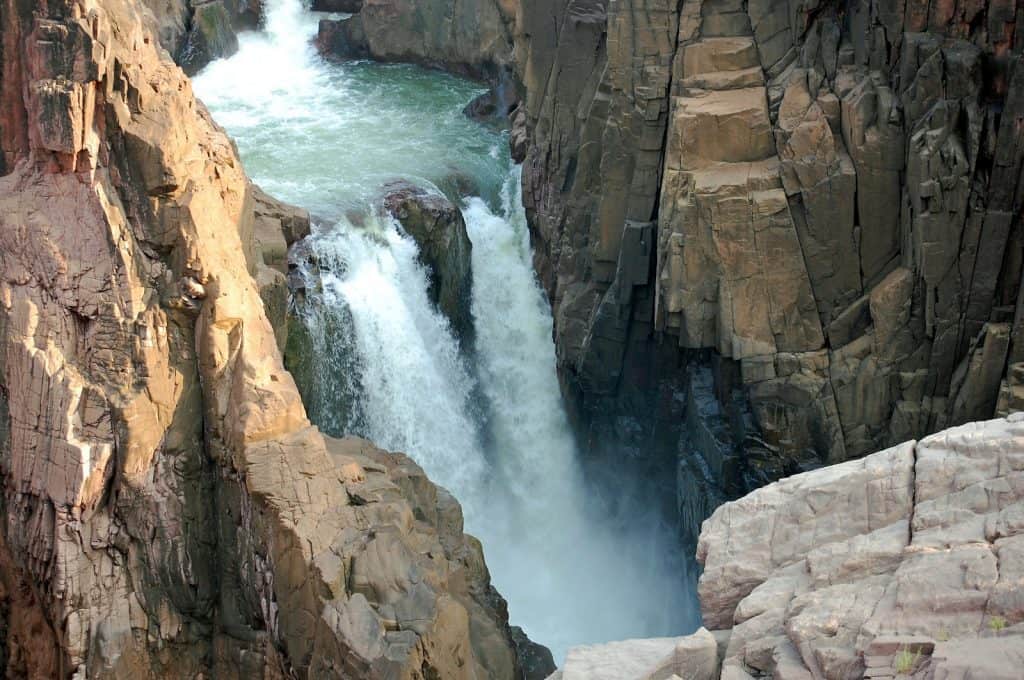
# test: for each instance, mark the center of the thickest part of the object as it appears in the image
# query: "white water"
(491, 426)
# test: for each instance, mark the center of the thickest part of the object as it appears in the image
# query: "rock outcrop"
(437, 226)
(168, 509)
(916, 548)
(906, 563)
(775, 235)
(195, 32)
(470, 37)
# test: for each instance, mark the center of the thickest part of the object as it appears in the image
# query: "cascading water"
(328, 136)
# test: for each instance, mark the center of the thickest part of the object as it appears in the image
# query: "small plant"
(906, 660)
(996, 623)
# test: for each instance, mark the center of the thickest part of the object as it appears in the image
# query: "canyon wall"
(168, 509)
(775, 234)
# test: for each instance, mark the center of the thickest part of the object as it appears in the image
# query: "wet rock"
(342, 38)
(471, 37)
(458, 186)
(519, 141)
(496, 104)
(535, 661)
(439, 229)
(342, 6)
(198, 31)
(212, 36)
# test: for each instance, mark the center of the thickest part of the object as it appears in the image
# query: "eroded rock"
(169, 510)
(438, 228)
(834, 189)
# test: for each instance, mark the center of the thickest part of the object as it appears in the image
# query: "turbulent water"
(487, 422)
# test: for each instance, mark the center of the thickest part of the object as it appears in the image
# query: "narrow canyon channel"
(484, 419)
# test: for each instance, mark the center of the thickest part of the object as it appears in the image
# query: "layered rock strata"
(168, 509)
(775, 235)
(906, 563)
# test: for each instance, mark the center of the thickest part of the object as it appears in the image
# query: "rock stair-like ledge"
(907, 563)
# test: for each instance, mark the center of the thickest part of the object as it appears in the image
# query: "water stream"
(486, 423)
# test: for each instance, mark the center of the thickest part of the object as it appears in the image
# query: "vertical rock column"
(731, 274)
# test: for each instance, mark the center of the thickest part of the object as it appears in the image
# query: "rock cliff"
(906, 563)
(775, 234)
(168, 510)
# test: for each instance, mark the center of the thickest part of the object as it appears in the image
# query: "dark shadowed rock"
(437, 226)
(535, 660)
(196, 32)
(346, 6)
(342, 38)
(212, 36)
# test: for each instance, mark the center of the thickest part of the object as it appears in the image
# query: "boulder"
(438, 228)
(470, 37)
(843, 569)
(212, 35)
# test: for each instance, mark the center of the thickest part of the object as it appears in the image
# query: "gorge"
(487, 423)
(649, 258)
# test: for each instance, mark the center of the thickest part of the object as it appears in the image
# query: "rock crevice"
(169, 511)
(835, 193)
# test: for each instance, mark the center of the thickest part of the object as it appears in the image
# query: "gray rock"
(437, 226)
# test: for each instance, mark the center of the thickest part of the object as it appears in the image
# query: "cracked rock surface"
(831, 193)
(168, 510)
(906, 563)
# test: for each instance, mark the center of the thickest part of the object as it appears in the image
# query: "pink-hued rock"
(907, 563)
(914, 549)
(168, 510)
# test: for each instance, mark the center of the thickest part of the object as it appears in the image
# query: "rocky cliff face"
(776, 234)
(168, 509)
(906, 563)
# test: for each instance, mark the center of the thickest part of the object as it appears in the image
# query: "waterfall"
(487, 424)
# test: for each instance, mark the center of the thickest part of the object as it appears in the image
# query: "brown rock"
(172, 512)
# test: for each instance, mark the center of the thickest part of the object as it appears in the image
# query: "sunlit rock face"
(168, 509)
(905, 563)
(837, 572)
(775, 235)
